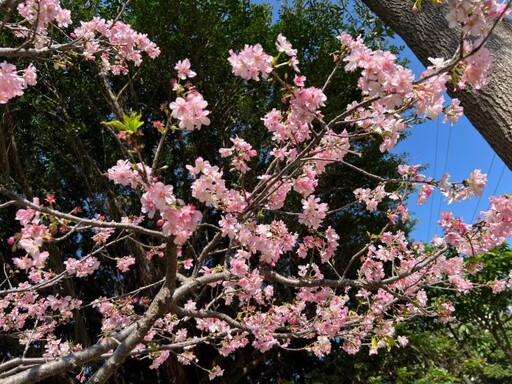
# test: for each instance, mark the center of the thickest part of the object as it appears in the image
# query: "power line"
(499, 179)
(445, 166)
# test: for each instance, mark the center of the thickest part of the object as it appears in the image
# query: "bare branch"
(39, 52)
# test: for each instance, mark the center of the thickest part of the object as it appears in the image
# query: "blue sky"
(457, 149)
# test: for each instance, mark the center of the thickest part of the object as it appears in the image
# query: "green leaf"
(133, 122)
(115, 124)
(130, 124)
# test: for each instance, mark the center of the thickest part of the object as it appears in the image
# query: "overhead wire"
(445, 165)
(499, 180)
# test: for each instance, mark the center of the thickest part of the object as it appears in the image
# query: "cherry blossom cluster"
(175, 220)
(209, 186)
(326, 244)
(391, 90)
(242, 152)
(452, 191)
(116, 313)
(190, 111)
(294, 125)
(34, 233)
(313, 213)
(501, 285)
(476, 67)
(40, 14)
(494, 227)
(371, 197)
(115, 42)
(183, 69)
(12, 83)
(82, 268)
(125, 173)
(23, 307)
(426, 96)
(251, 63)
(475, 17)
(332, 148)
(190, 106)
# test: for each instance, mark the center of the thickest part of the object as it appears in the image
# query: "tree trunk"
(427, 35)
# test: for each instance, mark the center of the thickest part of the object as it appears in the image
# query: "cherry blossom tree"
(269, 285)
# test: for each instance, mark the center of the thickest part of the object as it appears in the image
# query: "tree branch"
(158, 308)
(69, 362)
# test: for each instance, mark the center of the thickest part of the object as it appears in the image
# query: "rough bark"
(428, 35)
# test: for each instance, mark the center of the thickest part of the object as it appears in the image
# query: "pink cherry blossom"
(124, 263)
(183, 68)
(159, 359)
(251, 63)
(188, 263)
(242, 152)
(125, 173)
(453, 112)
(181, 223)
(313, 212)
(283, 45)
(276, 283)
(190, 111)
(11, 84)
(82, 268)
(215, 372)
(125, 43)
(44, 12)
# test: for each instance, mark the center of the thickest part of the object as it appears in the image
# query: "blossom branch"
(158, 307)
(68, 362)
(91, 222)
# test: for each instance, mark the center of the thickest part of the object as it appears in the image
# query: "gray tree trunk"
(427, 35)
